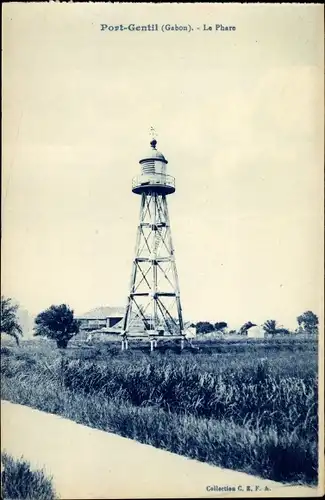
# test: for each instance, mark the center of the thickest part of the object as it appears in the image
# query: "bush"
(19, 482)
(204, 327)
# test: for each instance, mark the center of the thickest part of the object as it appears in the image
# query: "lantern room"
(153, 177)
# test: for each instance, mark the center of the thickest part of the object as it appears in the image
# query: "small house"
(256, 332)
(101, 317)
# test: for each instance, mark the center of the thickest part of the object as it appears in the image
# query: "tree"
(204, 327)
(9, 322)
(308, 321)
(220, 325)
(57, 323)
(270, 326)
(283, 331)
(246, 326)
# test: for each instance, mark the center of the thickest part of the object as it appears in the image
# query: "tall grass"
(20, 482)
(247, 412)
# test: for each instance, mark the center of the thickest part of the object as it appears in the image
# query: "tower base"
(154, 341)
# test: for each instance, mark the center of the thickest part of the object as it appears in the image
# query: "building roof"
(103, 313)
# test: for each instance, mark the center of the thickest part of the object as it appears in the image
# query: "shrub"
(221, 325)
(19, 482)
(204, 327)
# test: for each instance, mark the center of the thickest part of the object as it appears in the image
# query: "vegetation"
(220, 325)
(57, 323)
(246, 326)
(204, 327)
(9, 322)
(19, 482)
(308, 321)
(249, 405)
(270, 326)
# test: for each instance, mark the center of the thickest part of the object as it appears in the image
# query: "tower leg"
(128, 312)
(153, 303)
(182, 344)
(126, 344)
(122, 345)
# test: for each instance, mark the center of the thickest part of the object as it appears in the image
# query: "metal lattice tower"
(153, 306)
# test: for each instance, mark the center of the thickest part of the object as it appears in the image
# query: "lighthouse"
(153, 306)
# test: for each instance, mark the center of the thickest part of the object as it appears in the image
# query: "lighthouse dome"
(153, 154)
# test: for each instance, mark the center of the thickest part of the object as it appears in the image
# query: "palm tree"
(9, 322)
(246, 326)
(270, 326)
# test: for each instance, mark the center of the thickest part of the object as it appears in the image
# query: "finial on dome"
(153, 154)
(153, 143)
(153, 133)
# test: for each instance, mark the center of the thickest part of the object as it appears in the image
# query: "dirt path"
(87, 463)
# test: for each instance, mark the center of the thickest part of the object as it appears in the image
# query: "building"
(256, 332)
(189, 330)
(101, 317)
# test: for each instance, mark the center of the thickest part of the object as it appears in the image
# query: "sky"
(239, 117)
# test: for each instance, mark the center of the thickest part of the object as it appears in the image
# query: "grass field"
(249, 406)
